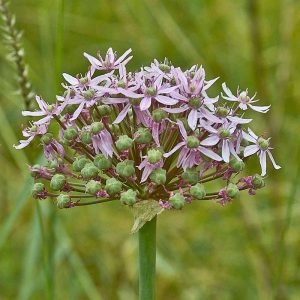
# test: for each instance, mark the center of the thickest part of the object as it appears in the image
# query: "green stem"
(147, 260)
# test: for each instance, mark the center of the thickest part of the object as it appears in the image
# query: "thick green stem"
(147, 260)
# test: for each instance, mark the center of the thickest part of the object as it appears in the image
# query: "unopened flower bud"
(104, 110)
(125, 168)
(47, 138)
(124, 142)
(237, 165)
(151, 91)
(159, 114)
(93, 187)
(63, 201)
(96, 127)
(86, 137)
(57, 182)
(192, 142)
(154, 156)
(89, 94)
(37, 188)
(191, 176)
(222, 111)
(143, 136)
(263, 143)
(128, 197)
(164, 67)
(198, 191)
(224, 133)
(115, 129)
(102, 162)
(177, 201)
(89, 171)
(232, 190)
(159, 176)
(83, 80)
(258, 181)
(122, 84)
(70, 133)
(79, 163)
(113, 186)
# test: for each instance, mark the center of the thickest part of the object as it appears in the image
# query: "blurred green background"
(249, 249)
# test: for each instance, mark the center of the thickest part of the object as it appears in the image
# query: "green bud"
(258, 181)
(89, 171)
(195, 103)
(164, 68)
(70, 133)
(47, 138)
(263, 143)
(124, 142)
(86, 137)
(79, 163)
(192, 142)
(232, 190)
(63, 201)
(37, 188)
(177, 201)
(237, 165)
(222, 111)
(143, 136)
(113, 186)
(198, 191)
(128, 197)
(104, 110)
(83, 80)
(122, 84)
(93, 187)
(154, 156)
(89, 94)
(159, 114)
(224, 133)
(159, 176)
(33, 128)
(50, 108)
(125, 168)
(151, 91)
(191, 176)
(102, 162)
(57, 182)
(96, 127)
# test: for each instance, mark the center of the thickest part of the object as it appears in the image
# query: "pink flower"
(244, 100)
(155, 91)
(102, 142)
(47, 110)
(189, 155)
(110, 62)
(30, 133)
(261, 147)
(222, 134)
(148, 168)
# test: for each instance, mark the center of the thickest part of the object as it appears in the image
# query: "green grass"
(246, 250)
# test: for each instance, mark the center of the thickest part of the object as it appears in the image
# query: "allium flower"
(153, 134)
(244, 100)
(262, 148)
(110, 62)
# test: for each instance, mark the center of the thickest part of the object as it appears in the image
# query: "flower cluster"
(153, 134)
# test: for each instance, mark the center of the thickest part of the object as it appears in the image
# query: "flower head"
(151, 134)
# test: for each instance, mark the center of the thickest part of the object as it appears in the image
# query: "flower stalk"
(147, 260)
